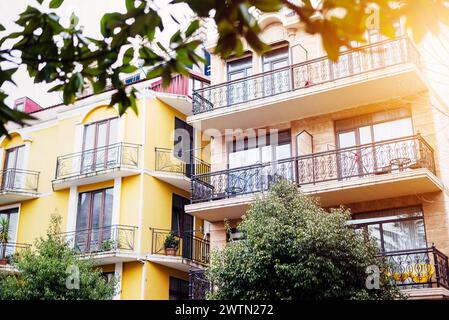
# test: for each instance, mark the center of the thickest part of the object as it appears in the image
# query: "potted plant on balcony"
(4, 234)
(171, 244)
(107, 245)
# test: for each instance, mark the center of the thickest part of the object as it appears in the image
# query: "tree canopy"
(294, 249)
(53, 271)
(64, 56)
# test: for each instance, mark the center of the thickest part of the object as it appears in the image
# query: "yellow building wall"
(157, 282)
(131, 280)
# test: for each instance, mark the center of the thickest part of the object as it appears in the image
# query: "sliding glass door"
(93, 224)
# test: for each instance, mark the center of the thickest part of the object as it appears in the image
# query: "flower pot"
(171, 251)
(3, 262)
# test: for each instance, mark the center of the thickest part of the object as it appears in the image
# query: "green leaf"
(54, 4)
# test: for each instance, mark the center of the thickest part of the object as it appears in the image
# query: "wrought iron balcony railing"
(114, 156)
(10, 250)
(18, 180)
(379, 158)
(184, 245)
(306, 74)
(102, 240)
(166, 161)
(419, 268)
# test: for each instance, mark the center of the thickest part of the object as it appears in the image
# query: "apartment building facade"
(367, 133)
(118, 183)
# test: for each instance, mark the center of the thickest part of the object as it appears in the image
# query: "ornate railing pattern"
(390, 156)
(418, 268)
(18, 180)
(190, 247)
(167, 162)
(199, 286)
(102, 158)
(102, 240)
(10, 251)
(303, 75)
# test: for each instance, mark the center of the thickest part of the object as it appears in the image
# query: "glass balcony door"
(276, 82)
(93, 223)
(14, 160)
(182, 225)
(361, 158)
(239, 91)
(11, 216)
(97, 137)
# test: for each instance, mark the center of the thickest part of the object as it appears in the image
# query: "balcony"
(424, 269)
(178, 94)
(380, 170)
(175, 171)
(8, 252)
(105, 245)
(96, 165)
(191, 251)
(18, 185)
(383, 70)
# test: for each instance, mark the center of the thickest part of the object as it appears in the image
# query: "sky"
(89, 13)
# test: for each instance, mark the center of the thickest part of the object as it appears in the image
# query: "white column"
(118, 276)
(72, 210)
(116, 201)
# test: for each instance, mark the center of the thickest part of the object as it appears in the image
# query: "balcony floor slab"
(93, 177)
(179, 180)
(8, 197)
(375, 86)
(353, 190)
(174, 262)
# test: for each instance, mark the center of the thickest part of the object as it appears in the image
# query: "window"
(376, 127)
(179, 289)
(132, 79)
(20, 106)
(97, 136)
(11, 216)
(251, 151)
(395, 229)
(108, 276)
(14, 160)
(93, 223)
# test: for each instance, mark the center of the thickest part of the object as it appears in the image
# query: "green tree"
(50, 272)
(65, 56)
(294, 249)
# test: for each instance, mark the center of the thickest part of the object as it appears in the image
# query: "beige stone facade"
(429, 115)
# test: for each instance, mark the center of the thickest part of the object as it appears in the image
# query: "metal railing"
(306, 74)
(199, 285)
(102, 240)
(189, 246)
(418, 268)
(166, 161)
(18, 180)
(86, 162)
(390, 156)
(10, 251)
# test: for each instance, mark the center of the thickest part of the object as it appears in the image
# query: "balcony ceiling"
(181, 103)
(178, 180)
(174, 262)
(392, 82)
(8, 197)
